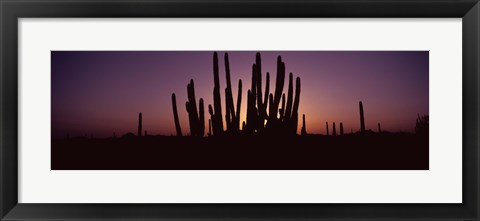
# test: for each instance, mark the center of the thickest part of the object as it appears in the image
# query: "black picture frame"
(11, 10)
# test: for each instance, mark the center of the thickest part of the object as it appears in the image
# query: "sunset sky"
(101, 92)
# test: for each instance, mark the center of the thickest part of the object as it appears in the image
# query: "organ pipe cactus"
(362, 119)
(195, 118)
(217, 122)
(326, 124)
(251, 113)
(341, 129)
(296, 104)
(209, 127)
(282, 110)
(239, 105)
(304, 129)
(283, 120)
(262, 102)
(278, 90)
(288, 113)
(232, 117)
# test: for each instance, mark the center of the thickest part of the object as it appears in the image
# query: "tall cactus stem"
(362, 119)
(304, 129)
(326, 125)
(341, 129)
(217, 104)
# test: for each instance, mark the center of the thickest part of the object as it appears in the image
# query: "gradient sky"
(101, 92)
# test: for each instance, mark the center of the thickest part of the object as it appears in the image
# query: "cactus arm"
(217, 124)
(282, 110)
(201, 119)
(279, 86)
(239, 104)
(288, 111)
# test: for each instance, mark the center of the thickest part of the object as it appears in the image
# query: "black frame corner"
(12, 10)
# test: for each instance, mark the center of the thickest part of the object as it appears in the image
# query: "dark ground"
(310, 152)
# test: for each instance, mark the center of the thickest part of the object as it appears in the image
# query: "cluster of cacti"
(196, 118)
(259, 119)
(256, 104)
(278, 120)
(335, 129)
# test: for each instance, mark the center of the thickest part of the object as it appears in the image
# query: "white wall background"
(441, 184)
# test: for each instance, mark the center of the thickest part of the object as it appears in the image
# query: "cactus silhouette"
(379, 128)
(282, 110)
(262, 102)
(283, 120)
(296, 103)
(255, 112)
(175, 116)
(229, 109)
(362, 119)
(196, 118)
(209, 127)
(251, 114)
(326, 124)
(232, 117)
(273, 120)
(288, 112)
(139, 132)
(341, 129)
(304, 129)
(201, 119)
(239, 105)
(216, 115)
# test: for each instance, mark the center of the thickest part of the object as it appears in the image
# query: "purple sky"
(101, 92)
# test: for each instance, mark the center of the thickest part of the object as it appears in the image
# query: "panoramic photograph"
(239, 110)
